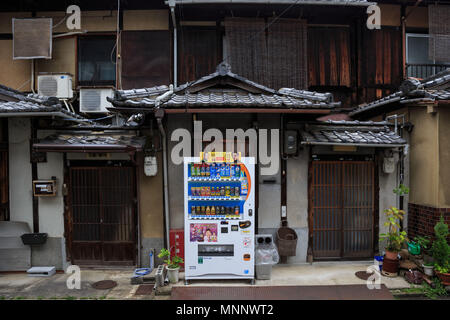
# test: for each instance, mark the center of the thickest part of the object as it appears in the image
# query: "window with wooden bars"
(270, 52)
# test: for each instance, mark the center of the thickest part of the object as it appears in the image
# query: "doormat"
(104, 284)
(334, 292)
(145, 289)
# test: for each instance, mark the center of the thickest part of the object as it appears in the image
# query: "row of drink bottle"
(223, 191)
(216, 170)
(215, 210)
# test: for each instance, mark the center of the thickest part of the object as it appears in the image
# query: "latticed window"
(270, 52)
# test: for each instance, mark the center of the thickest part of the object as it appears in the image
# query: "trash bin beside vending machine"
(266, 255)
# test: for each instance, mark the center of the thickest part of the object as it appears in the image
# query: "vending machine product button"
(250, 212)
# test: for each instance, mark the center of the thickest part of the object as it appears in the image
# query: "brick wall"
(421, 219)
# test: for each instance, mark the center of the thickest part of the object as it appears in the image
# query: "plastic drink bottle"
(212, 170)
(237, 171)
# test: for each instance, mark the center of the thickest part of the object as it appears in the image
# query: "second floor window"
(96, 61)
(418, 63)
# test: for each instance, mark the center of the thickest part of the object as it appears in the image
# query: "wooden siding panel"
(198, 53)
(329, 56)
(146, 59)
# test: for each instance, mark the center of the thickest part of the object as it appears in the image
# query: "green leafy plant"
(437, 291)
(173, 262)
(423, 242)
(401, 190)
(429, 264)
(440, 248)
(395, 237)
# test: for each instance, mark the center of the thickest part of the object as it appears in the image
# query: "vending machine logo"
(247, 242)
(203, 232)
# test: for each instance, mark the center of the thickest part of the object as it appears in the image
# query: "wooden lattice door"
(342, 209)
(103, 215)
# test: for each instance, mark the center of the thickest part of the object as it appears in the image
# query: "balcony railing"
(424, 70)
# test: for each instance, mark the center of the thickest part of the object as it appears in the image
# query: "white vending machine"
(219, 215)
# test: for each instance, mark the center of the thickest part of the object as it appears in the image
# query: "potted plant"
(173, 265)
(441, 252)
(395, 237)
(428, 268)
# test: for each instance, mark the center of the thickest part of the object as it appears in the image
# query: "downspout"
(401, 165)
(175, 47)
(159, 114)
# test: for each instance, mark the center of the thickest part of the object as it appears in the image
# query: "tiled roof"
(19, 103)
(366, 133)
(314, 2)
(9, 94)
(224, 88)
(87, 140)
(413, 90)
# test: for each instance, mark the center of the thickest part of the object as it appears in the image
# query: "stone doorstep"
(164, 290)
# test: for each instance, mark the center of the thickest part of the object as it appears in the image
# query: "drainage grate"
(334, 292)
(145, 289)
(104, 284)
(363, 275)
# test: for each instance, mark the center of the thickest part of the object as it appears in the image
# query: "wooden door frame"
(68, 210)
(375, 213)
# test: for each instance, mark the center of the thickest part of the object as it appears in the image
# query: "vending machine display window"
(219, 187)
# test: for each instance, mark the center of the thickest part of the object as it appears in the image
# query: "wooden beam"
(248, 110)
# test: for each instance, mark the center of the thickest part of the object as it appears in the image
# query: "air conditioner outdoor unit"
(55, 85)
(93, 100)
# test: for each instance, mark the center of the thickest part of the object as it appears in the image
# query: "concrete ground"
(318, 273)
(22, 286)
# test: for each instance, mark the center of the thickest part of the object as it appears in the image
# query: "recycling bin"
(266, 255)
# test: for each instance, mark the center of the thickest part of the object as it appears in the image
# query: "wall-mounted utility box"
(290, 142)
(44, 188)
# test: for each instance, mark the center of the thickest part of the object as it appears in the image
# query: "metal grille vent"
(91, 100)
(439, 30)
(32, 38)
(48, 86)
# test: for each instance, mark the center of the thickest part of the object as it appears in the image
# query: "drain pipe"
(175, 47)
(159, 114)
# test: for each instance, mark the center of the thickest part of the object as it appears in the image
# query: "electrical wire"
(62, 20)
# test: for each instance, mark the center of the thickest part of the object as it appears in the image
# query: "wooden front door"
(103, 216)
(342, 209)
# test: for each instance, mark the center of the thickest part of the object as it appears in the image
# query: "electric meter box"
(150, 166)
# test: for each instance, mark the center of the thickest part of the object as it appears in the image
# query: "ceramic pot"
(173, 274)
(444, 277)
(428, 270)
(390, 267)
(391, 255)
